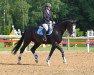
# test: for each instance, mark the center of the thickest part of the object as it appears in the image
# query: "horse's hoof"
(65, 61)
(36, 61)
(18, 63)
(48, 62)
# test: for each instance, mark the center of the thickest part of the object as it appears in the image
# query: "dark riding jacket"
(47, 16)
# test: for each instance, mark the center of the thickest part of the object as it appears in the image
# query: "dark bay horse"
(54, 39)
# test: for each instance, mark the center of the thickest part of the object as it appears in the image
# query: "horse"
(54, 38)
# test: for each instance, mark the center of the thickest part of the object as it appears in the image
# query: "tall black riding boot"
(44, 35)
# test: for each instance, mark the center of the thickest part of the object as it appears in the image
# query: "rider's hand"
(53, 22)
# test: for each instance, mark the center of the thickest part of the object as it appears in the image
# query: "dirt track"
(78, 63)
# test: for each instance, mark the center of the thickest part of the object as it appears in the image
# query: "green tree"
(87, 10)
(35, 13)
(5, 19)
(20, 14)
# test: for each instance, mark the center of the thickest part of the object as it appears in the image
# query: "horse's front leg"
(62, 52)
(33, 51)
(50, 54)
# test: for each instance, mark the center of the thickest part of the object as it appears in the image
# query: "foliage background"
(24, 13)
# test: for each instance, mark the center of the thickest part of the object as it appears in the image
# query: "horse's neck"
(60, 29)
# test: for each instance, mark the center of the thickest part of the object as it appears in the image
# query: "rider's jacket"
(47, 16)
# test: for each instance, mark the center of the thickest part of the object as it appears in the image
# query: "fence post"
(88, 46)
(68, 43)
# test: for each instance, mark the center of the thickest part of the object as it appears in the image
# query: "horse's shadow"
(36, 64)
(12, 64)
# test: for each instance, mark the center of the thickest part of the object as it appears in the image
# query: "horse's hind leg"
(33, 51)
(25, 44)
(21, 51)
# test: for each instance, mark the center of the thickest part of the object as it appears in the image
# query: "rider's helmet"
(48, 5)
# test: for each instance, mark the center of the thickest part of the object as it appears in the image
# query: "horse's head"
(68, 25)
(71, 24)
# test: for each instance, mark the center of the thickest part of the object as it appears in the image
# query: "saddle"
(40, 31)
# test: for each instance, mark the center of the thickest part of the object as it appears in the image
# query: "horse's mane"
(63, 21)
(60, 22)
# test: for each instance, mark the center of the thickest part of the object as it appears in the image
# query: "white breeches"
(47, 26)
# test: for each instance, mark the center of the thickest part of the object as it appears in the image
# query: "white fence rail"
(67, 38)
(18, 36)
(10, 36)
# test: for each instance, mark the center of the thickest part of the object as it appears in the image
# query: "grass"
(48, 48)
(65, 48)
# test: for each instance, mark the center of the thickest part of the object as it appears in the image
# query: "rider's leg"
(50, 25)
(45, 26)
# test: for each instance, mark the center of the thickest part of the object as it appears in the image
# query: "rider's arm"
(45, 17)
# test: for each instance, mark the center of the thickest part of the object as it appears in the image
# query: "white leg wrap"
(64, 59)
(36, 57)
(35, 54)
(48, 58)
(19, 58)
(48, 61)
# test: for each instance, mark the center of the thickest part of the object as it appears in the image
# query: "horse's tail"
(15, 49)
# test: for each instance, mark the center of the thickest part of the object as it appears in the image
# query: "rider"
(47, 20)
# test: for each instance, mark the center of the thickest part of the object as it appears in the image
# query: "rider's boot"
(44, 35)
